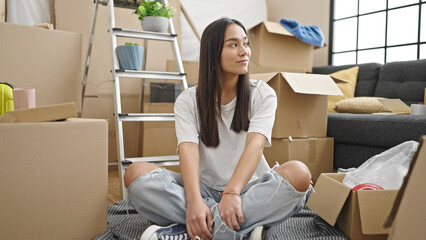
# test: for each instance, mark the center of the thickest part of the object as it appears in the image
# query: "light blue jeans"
(160, 197)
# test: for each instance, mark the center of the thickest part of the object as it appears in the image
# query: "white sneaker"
(257, 233)
(173, 232)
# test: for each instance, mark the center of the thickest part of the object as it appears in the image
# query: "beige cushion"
(350, 76)
(360, 105)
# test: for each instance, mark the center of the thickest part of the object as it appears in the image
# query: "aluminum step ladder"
(121, 117)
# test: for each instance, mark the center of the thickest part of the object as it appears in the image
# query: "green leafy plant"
(153, 8)
(131, 44)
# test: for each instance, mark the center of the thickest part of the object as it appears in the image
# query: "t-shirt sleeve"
(264, 105)
(186, 117)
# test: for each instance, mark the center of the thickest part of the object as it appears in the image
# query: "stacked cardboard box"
(300, 127)
(53, 179)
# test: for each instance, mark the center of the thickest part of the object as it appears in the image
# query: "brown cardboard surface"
(328, 187)
(316, 153)
(159, 138)
(2, 10)
(190, 67)
(351, 211)
(40, 114)
(53, 179)
(374, 209)
(408, 217)
(396, 106)
(47, 60)
(257, 68)
(272, 45)
(302, 103)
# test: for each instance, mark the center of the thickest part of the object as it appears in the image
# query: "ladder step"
(172, 160)
(150, 74)
(122, 4)
(120, 32)
(141, 117)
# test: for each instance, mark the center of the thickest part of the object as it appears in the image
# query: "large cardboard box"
(47, 60)
(159, 138)
(53, 179)
(316, 153)
(272, 45)
(190, 67)
(408, 216)
(359, 214)
(302, 103)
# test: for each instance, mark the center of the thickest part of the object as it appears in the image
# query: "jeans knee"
(136, 170)
(296, 173)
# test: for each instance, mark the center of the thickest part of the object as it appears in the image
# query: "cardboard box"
(159, 138)
(408, 213)
(359, 214)
(47, 60)
(316, 153)
(302, 103)
(53, 179)
(257, 68)
(190, 67)
(40, 114)
(272, 45)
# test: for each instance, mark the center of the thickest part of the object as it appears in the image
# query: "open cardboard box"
(53, 175)
(272, 45)
(302, 103)
(316, 153)
(408, 216)
(359, 214)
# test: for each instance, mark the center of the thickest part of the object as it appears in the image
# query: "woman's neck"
(229, 88)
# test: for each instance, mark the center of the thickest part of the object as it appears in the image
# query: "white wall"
(306, 12)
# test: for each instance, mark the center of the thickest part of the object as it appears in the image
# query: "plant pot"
(130, 57)
(155, 24)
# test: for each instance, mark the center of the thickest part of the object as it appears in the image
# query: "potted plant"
(130, 56)
(154, 15)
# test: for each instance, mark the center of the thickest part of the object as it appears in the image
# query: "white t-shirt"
(218, 164)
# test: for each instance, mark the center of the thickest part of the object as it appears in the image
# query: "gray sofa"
(357, 137)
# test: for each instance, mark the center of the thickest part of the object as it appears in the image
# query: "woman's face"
(236, 52)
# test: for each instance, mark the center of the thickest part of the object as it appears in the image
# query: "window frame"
(385, 46)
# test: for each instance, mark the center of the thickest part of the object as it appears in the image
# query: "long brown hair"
(209, 85)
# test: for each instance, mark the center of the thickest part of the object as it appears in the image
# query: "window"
(379, 31)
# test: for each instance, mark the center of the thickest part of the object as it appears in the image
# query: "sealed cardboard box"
(40, 114)
(53, 179)
(302, 103)
(408, 216)
(47, 60)
(159, 138)
(316, 153)
(359, 214)
(272, 45)
(190, 67)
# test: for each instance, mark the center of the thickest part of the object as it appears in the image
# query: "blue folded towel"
(308, 34)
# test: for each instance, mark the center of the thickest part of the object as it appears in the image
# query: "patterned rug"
(124, 223)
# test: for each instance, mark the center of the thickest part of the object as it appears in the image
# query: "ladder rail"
(89, 52)
(117, 97)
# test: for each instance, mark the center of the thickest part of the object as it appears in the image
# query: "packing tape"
(418, 109)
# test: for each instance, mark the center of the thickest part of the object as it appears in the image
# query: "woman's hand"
(199, 220)
(231, 211)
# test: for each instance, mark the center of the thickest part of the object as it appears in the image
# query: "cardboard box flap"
(41, 114)
(312, 84)
(263, 76)
(329, 197)
(374, 209)
(408, 213)
(276, 28)
(395, 105)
